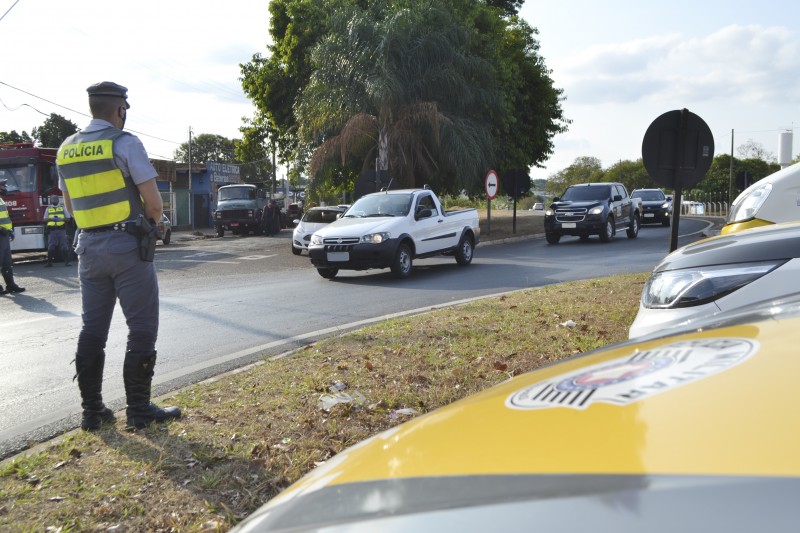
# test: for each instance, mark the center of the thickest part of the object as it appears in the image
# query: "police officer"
(6, 236)
(108, 182)
(56, 219)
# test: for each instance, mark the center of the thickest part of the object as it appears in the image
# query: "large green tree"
(54, 130)
(208, 147)
(583, 170)
(402, 89)
(514, 131)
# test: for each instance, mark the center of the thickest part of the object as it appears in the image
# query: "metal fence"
(708, 204)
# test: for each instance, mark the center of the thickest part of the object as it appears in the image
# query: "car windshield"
(600, 192)
(381, 205)
(237, 193)
(321, 216)
(649, 196)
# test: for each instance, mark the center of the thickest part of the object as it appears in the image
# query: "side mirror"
(617, 197)
(557, 198)
(423, 213)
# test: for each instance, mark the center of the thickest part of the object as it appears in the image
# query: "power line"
(71, 110)
(9, 9)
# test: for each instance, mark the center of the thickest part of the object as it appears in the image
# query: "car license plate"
(234, 224)
(338, 256)
(567, 224)
(649, 215)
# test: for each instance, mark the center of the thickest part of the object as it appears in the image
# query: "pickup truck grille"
(235, 214)
(564, 214)
(339, 244)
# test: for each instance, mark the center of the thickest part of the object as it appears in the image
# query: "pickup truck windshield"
(573, 194)
(381, 205)
(237, 193)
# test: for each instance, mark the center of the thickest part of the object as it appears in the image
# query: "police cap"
(109, 88)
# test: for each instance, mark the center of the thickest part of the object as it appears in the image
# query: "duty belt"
(129, 227)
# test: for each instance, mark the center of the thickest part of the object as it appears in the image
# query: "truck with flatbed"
(589, 209)
(390, 229)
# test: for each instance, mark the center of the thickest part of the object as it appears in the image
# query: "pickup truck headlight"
(548, 212)
(665, 205)
(596, 210)
(697, 286)
(375, 238)
(316, 239)
(745, 208)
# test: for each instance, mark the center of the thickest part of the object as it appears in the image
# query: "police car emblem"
(638, 376)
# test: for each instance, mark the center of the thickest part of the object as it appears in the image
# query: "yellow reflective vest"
(57, 211)
(98, 191)
(5, 220)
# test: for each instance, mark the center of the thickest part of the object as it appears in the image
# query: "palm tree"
(401, 89)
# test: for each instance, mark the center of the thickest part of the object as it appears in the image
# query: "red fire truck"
(31, 178)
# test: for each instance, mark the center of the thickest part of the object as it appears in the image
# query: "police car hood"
(766, 243)
(655, 435)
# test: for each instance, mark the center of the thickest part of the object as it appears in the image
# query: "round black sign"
(677, 149)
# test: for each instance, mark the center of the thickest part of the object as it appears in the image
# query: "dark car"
(294, 212)
(656, 206)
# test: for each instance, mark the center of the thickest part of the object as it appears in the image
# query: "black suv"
(656, 207)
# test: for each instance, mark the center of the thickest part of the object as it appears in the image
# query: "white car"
(719, 274)
(313, 219)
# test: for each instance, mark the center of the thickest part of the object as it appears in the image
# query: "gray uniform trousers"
(109, 268)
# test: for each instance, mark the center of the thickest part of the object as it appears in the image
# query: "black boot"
(89, 367)
(49, 261)
(8, 276)
(137, 373)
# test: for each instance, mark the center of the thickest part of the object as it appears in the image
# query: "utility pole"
(730, 176)
(191, 198)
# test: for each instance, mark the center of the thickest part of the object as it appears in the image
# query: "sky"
(621, 64)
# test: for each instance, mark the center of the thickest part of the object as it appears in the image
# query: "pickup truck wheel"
(665, 222)
(464, 251)
(328, 273)
(552, 238)
(220, 231)
(633, 230)
(608, 233)
(167, 237)
(401, 266)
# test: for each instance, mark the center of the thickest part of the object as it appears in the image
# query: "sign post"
(490, 185)
(677, 151)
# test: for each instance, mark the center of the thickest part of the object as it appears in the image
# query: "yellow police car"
(693, 431)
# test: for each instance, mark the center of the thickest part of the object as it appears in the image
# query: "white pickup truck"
(392, 228)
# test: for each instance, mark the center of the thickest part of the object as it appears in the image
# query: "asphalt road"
(231, 301)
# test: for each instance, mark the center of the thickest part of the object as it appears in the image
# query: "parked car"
(770, 200)
(294, 212)
(313, 219)
(719, 274)
(692, 431)
(538, 206)
(656, 206)
(166, 235)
